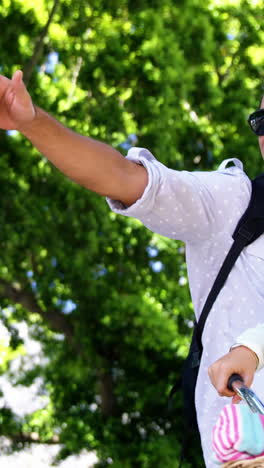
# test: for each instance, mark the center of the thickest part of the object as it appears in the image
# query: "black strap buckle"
(243, 232)
(195, 359)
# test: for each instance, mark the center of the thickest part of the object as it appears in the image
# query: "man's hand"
(240, 360)
(16, 107)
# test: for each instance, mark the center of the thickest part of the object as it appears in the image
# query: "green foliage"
(182, 77)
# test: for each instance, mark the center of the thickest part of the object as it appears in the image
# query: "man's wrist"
(28, 127)
(241, 345)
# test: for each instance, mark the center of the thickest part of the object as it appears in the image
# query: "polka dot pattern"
(203, 209)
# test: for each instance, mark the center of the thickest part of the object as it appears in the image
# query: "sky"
(24, 400)
(41, 456)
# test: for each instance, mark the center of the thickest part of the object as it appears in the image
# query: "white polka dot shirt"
(202, 209)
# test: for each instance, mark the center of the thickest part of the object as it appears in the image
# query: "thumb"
(248, 379)
(17, 88)
(18, 84)
(17, 76)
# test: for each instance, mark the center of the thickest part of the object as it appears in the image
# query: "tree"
(106, 298)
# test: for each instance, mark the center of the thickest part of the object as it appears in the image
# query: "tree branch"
(28, 70)
(17, 294)
(109, 405)
(223, 76)
(75, 75)
(32, 438)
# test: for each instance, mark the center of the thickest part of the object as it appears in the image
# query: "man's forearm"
(88, 162)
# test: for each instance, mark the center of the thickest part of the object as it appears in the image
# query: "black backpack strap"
(238, 245)
(253, 218)
(249, 228)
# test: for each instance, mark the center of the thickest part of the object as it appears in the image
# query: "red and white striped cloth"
(238, 434)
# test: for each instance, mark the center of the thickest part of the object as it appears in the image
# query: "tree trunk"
(108, 399)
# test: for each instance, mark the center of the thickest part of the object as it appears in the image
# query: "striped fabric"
(238, 434)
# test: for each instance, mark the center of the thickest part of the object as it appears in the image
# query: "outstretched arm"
(88, 162)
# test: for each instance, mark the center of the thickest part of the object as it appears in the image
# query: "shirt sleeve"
(253, 338)
(183, 205)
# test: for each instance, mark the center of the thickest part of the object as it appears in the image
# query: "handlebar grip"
(232, 379)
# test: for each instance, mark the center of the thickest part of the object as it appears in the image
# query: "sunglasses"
(256, 122)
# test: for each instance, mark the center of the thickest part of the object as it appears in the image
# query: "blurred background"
(96, 314)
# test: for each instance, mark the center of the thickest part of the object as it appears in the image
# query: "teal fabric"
(252, 437)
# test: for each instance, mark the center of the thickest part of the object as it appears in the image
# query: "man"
(202, 209)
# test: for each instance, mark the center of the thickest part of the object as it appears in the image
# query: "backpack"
(248, 229)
